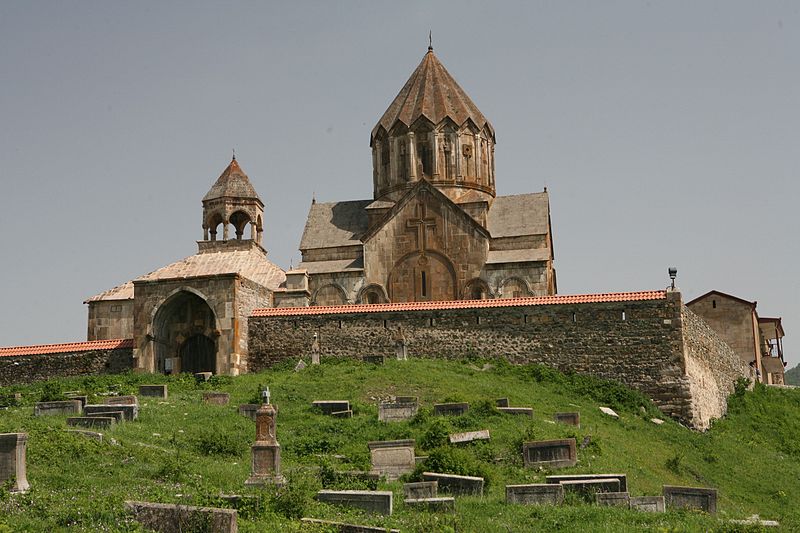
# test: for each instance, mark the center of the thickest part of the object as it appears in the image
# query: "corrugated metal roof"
(87, 346)
(463, 304)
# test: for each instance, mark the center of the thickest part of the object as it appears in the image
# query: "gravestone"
(341, 527)
(438, 504)
(174, 518)
(397, 411)
(587, 488)
(392, 458)
(572, 419)
(301, 365)
(331, 406)
(456, 485)
(266, 452)
(118, 416)
(469, 436)
(122, 400)
(80, 397)
(89, 434)
(202, 377)
(374, 359)
(420, 490)
(13, 461)
(373, 501)
(90, 421)
(612, 499)
(342, 414)
(249, 410)
(450, 409)
(550, 453)
(521, 411)
(502, 402)
(535, 494)
(66, 407)
(314, 351)
(216, 398)
(700, 498)
(130, 412)
(648, 504)
(153, 391)
(609, 411)
(623, 478)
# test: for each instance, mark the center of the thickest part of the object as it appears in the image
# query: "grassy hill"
(181, 450)
(792, 376)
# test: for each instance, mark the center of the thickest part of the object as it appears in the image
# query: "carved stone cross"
(420, 224)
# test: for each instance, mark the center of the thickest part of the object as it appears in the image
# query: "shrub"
(51, 392)
(291, 500)
(457, 461)
(436, 435)
(215, 442)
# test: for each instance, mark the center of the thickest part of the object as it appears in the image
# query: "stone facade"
(638, 339)
(26, 368)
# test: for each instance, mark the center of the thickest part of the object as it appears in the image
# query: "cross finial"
(430, 40)
(234, 154)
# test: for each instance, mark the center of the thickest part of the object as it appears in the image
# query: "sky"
(667, 133)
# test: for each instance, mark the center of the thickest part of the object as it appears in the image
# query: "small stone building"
(435, 228)
(191, 315)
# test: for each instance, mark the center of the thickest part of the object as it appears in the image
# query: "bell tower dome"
(433, 131)
(233, 204)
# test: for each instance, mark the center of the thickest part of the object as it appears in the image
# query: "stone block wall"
(40, 367)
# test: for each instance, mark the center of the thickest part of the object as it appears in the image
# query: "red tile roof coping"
(463, 304)
(43, 349)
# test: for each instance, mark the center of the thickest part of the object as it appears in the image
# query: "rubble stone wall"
(28, 368)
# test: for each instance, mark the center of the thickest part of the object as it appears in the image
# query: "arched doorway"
(422, 278)
(184, 335)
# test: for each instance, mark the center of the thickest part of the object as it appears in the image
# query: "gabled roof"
(43, 349)
(463, 304)
(232, 183)
(335, 224)
(724, 295)
(120, 292)
(431, 92)
(423, 185)
(519, 214)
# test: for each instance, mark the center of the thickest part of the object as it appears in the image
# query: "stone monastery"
(435, 264)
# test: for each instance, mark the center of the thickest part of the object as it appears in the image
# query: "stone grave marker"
(450, 409)
(66, 407)
(90, 421)
(85, 433)
(13, 461)
(587, 488)
(609, 411)
(175, 518)
(439, 504)
(122, 400)
(420, 490)
(202, 377)
(118, 416)
(558, 453)
(392, 458)
(572, 419)
(623, 478)
(374, 359)
(612, 499)
(341, 527)
(343, 414)
(329, 407)
(502, 402)
(648, 504)
(249, 410)
(656, 421)
(397, 411)
(80, 397)
(700, 498)
(301, 365)
(535, 494)
(216, 398)
(469, 436)
(373, 501)
(521, 411)
(456, 485)
(130, 411)
(266, 451)
(154, 391)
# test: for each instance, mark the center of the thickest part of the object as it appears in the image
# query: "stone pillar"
(412, 156)
(12, 460)
(266, 452)
(315, 350)
(434, 155)
(205, 233)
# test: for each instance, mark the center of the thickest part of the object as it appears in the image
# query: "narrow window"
(424, 284)
(714, 304)
(574, 318)
(525, 319)
(623, 316)
(340, 324)
(431, 321)
(478, 319)
(385, 324)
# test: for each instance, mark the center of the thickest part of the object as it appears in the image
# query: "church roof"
(335, 224)
(334, 265)
(431, 92)
(251, 264)
(232, 183)
(120, 292)
(519, 214)
(86, 346)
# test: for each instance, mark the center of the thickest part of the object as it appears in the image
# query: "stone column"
(266, 452)
(12, 460)
(412, 156)
(435, 155)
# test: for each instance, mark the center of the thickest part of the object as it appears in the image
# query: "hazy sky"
(668, 133)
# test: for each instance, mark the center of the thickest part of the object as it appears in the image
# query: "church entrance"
(422, 278)
(198, 354)
(183, 334)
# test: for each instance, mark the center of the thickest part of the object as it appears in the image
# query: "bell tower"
(232, 209)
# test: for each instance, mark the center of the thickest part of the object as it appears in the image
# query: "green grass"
(183, 451)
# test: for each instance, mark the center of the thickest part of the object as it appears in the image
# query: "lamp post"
(673, 273)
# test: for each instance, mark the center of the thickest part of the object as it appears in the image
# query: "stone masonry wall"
(28, 368)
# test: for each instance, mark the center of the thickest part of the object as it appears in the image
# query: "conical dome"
(232, 183)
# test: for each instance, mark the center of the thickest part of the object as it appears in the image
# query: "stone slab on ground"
(648, 504)
(469, 436)
(301, 365)
(501, 402)
(13, 462)
(397, 411)
(342, 527)
(450, 409)
(609, 411)
(88, 434)
(392, 458)
(202, 377)
(456, 485)
(118, 416)
(438, 504)
(331, 406)
(216, 398)
(131, 412)
(342, 414)
(519, 411)
(128, 399)
(154, 391)
(589, 487)
(572, 419)
(373, 501)
(420, 489)
(374, 359)
(249, 410)
(612, 499)
(756, 520)
(693, 498)
(535, 494)
(80, 397)
(623, 478)
(66, 407)
(174, 518)
(102, 422)
(557, 453)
